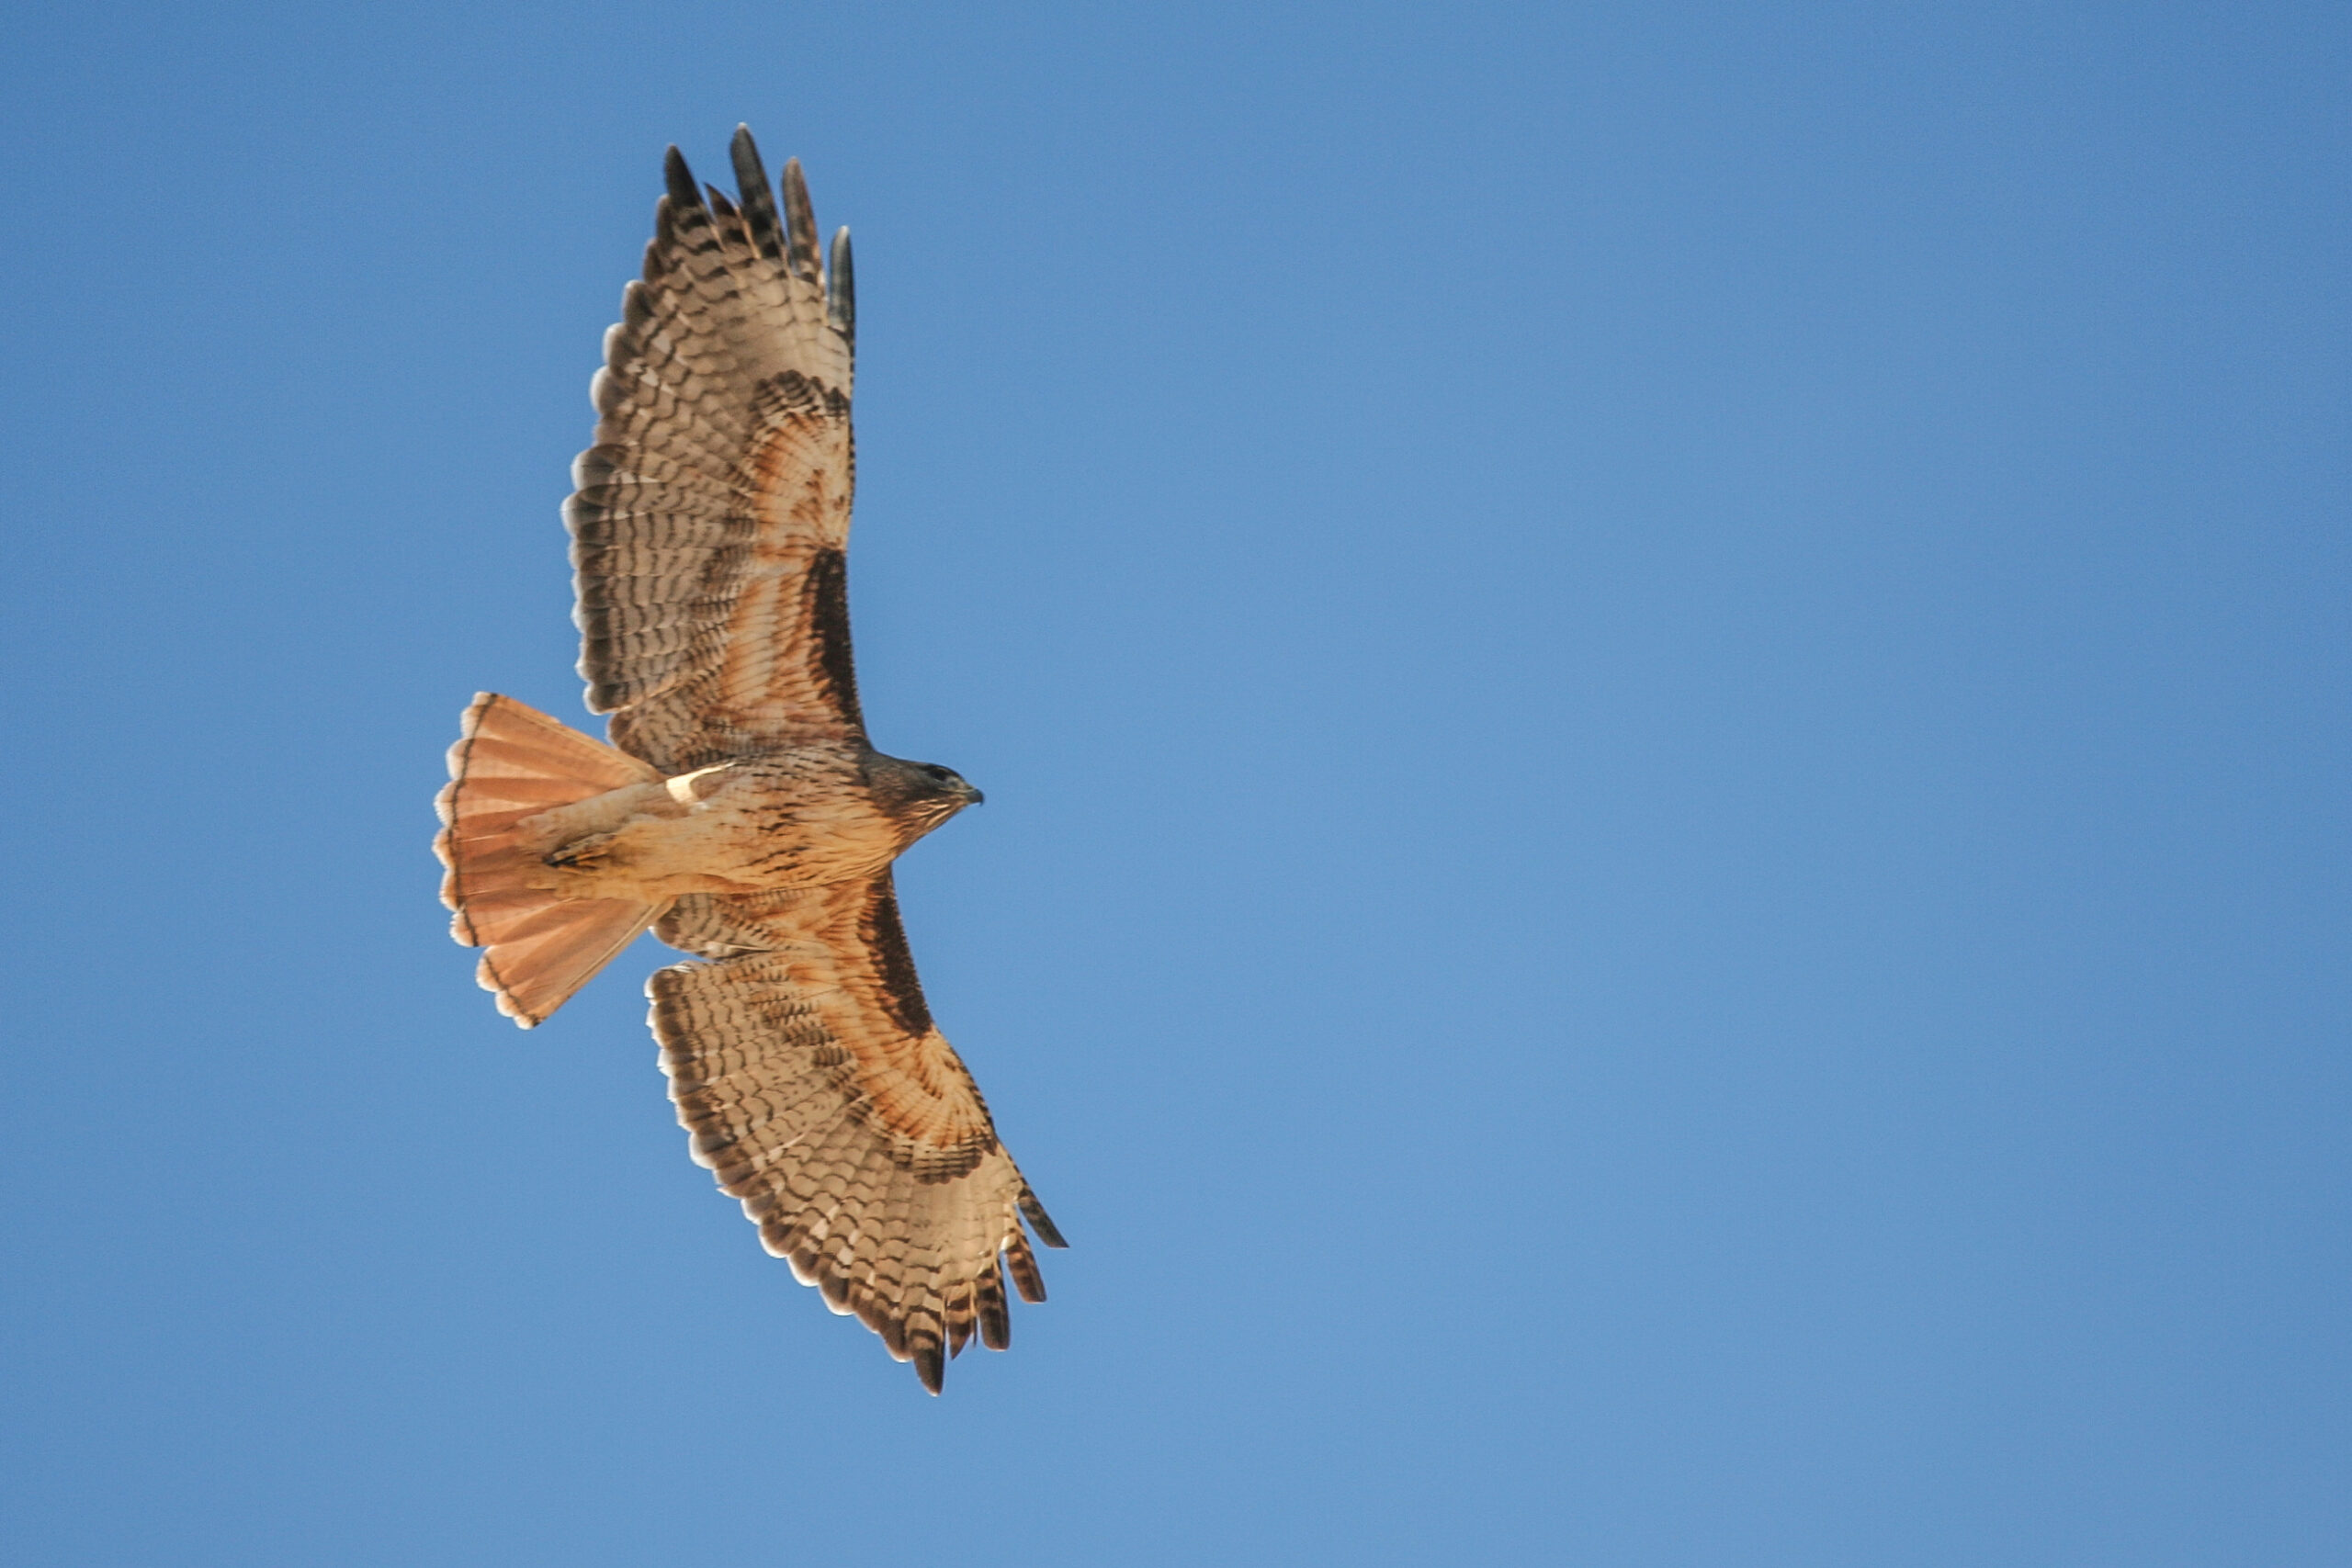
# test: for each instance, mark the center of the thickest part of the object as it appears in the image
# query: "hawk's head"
(921, 796)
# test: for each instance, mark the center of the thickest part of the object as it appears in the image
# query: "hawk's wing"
(711, 514)
(805, 1064)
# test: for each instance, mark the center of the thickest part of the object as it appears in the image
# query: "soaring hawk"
(738, 811)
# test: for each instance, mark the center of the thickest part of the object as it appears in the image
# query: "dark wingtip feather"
(800, 220)
(841, 291)
(756, 195)
(996, 1321)
(1032, 1210)
(932, 1367)
(1022, 1264)
(680, 179)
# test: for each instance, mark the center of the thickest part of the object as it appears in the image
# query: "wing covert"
(805, 1066)
(710, 518)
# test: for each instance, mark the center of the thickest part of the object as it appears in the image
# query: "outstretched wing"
(805, 1064)
(711, 515)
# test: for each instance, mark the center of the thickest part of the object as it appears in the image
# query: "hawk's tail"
(510, 763)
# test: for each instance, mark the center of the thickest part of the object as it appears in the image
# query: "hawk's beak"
(976, 797)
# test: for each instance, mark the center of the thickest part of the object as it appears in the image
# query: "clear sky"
(1662, 690)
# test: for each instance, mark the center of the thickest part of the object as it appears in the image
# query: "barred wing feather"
(711, 514)
(805, 1066)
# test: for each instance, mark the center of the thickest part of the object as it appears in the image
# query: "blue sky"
(1662, 690)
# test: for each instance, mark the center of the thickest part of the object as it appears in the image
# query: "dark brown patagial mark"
(902, 998)
(887, 939)
(827, 591)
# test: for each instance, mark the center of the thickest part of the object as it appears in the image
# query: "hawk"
(739, 812)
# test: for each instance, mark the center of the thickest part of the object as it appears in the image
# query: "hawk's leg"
(590, 853)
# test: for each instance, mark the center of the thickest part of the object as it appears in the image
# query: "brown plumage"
(739, 811)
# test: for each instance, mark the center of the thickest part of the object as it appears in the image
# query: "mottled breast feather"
(711, 514)
(814, 1084)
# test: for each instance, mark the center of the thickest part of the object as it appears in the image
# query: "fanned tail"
(510, 763)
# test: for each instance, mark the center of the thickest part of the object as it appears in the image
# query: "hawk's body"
(739, 811)
(798, 817)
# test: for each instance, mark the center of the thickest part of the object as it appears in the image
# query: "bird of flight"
(739, 811)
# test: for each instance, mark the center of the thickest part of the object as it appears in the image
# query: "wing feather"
(812, 1083)
(710, 515)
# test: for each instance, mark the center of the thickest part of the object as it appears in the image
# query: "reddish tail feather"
(510, 763)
